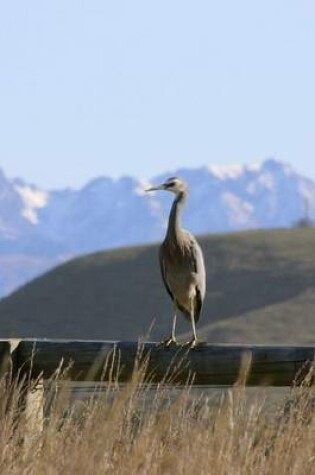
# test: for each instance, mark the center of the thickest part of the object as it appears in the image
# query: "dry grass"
(139, 429)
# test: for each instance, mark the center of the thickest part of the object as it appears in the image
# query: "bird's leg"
(194, 341)
(172, 338)
(174, 325)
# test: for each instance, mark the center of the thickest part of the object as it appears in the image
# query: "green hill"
(260, 288)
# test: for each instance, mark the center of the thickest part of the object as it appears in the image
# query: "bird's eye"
(171, 183)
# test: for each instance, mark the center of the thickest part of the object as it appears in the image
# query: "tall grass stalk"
(156, 429)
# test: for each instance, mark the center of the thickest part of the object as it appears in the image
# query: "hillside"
(260, 288)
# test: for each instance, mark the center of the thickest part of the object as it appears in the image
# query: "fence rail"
(207, 364)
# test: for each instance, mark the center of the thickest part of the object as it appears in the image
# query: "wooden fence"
(207, 364)
(33, 364)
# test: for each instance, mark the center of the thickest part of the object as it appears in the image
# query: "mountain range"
(40, 229)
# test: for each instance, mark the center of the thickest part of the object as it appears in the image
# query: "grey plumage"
(181, 262)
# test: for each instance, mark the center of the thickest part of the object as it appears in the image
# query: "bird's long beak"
(155, 188)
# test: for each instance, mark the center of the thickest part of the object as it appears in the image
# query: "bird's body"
(181, 262)
(181, 273)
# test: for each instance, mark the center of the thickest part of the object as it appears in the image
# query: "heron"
(181, 263)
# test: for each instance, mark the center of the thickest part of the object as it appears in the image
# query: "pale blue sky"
(90, 87)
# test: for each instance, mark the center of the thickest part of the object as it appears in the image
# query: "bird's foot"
(168, 341)
(190, 344)
(193, 343)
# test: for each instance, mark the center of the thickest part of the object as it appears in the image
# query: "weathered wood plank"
(20, 392)
(8, 351)
(207, 364)
(5, 357)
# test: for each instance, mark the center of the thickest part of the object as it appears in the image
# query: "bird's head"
(173, 184)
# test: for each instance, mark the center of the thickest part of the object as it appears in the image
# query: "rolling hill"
(260, 288)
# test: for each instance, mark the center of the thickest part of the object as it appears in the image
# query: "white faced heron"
(181, 262)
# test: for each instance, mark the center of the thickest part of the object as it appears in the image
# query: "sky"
(97, 87)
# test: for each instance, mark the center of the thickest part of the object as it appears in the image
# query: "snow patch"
(232, 172)
(142, 186)
(224, 172)
(265, 180)
(33, 199)
(254, 167)
(240, 210)
(288, 170)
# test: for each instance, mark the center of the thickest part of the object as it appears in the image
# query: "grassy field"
(155, 430)
(260, 289)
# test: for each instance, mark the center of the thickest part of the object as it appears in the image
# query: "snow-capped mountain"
(39, 229)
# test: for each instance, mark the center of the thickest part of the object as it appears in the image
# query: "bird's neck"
(173, 229)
